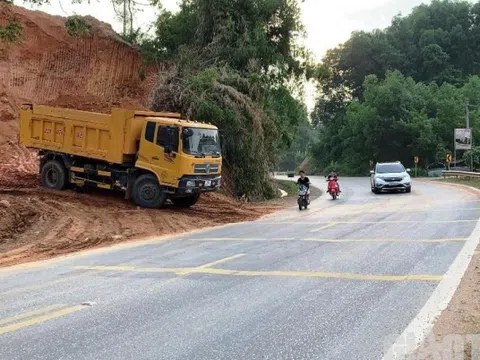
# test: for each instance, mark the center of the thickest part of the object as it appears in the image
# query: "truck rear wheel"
(186, 202)
(53, 175)
(147, 192)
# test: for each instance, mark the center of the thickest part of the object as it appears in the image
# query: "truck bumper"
(198, 184)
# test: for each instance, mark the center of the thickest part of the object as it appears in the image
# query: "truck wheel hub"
(52, 176)
(149, 192)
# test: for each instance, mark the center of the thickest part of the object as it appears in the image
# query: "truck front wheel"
(53, 175)
(147, 192)
(186, 202)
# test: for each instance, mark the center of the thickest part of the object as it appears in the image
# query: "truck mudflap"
(198, 184)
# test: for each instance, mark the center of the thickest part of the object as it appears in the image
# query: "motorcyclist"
(334, 175)
(303, 180)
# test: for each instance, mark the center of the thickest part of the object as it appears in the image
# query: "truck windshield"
(202, 142)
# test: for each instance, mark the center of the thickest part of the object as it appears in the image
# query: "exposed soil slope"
(92, 73)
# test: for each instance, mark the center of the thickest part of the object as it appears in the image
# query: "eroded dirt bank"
(93, 73)
(38, 224)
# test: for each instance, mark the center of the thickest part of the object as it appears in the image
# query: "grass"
(473, 182)
(289, 186)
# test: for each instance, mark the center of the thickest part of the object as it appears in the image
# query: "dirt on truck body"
(93, 73)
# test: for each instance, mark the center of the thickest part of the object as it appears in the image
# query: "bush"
(77, 26)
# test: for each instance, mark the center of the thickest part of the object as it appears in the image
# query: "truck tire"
(53, 175)
(148, 193)
(186, 202)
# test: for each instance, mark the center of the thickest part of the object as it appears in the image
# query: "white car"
(389, 177)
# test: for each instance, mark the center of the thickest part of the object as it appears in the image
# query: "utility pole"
(467, 119)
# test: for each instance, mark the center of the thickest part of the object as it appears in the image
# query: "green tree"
(237, 65)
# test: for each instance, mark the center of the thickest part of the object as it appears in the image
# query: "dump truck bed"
(109, 137)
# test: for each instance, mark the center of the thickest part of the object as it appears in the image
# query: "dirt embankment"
(92, 73)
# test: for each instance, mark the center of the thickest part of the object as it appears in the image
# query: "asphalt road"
(331, 282)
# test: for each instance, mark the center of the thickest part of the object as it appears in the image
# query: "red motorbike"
(333, 188)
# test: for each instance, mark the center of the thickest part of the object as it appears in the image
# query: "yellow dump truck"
(151, 156)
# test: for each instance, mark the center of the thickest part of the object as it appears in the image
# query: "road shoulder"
(458, 324)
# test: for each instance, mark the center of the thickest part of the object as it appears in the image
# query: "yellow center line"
(29, 314)
(297, 274)
(177, 271)
(40, 319)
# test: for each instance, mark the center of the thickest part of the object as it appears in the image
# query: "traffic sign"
(449, 158)
(417, 159)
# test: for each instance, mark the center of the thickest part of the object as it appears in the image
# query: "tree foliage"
(397, 119)
(237, 63)
(437, 42)
(77, 26)
(398, 93)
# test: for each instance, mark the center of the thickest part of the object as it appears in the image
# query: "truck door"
(159, 152)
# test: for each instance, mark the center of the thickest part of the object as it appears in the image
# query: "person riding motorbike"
(303, 180)
(333, 175)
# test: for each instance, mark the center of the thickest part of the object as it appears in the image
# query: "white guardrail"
(447, 173)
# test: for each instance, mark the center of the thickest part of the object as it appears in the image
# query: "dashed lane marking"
(213, 263)
(324, 227)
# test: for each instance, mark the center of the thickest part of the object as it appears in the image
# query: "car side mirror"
(408, 170)
(372, 172)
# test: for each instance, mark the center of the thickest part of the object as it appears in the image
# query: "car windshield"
(390, 168)
(198, 141)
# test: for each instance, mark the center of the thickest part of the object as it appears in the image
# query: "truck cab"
(185, 155)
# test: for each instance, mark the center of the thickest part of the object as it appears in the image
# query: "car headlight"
(190, 183)
(379, 180)
(406, 179)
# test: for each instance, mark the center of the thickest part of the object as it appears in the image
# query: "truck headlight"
(190, 183)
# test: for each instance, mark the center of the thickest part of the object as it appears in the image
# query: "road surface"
(332, 282)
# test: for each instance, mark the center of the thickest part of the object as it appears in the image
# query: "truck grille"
(205, 168)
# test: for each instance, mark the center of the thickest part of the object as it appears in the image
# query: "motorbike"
(332, 188)
(302, 197)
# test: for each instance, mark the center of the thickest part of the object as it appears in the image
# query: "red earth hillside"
(91, 73)
(51, 67)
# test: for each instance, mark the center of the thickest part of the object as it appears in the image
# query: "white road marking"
(422, 325)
